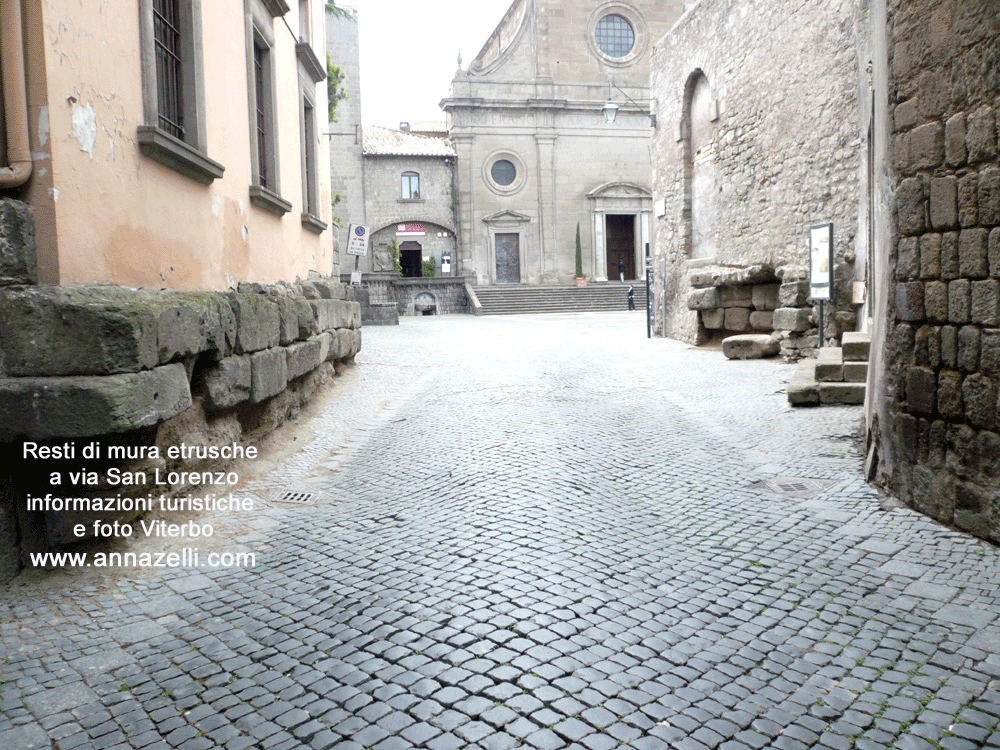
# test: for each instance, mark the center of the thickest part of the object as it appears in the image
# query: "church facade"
(536, 155)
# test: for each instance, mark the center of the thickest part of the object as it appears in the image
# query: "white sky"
(409, 53)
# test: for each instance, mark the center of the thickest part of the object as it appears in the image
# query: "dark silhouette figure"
(631, 297)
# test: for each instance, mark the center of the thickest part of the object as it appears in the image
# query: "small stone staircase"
(519, 299)
(837, 376)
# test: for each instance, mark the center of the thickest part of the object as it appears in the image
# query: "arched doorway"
(701, 117)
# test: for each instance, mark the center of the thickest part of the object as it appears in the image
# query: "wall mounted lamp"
(610, 109)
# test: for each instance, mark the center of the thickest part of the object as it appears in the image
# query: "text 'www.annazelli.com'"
(189, 557)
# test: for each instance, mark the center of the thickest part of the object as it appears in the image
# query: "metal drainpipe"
(15, 97)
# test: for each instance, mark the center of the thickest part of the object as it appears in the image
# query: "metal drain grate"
(296, 498)
(796, 486)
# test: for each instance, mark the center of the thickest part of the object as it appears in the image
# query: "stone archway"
(620, 220)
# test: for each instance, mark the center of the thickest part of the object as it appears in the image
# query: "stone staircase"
(837, 375)
(519, 299)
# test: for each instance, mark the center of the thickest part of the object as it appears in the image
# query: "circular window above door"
(504, 172)
(618, 34)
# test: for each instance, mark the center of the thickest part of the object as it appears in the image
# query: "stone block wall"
(936, 410)
(144, 366)
(777, 134)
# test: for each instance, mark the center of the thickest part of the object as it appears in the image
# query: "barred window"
(169, 70)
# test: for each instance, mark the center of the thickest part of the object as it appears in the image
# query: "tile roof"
(384, 142)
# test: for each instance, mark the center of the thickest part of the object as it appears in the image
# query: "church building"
(551, 127)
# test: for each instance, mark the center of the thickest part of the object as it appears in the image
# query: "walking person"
(631, 297)
(621, 270)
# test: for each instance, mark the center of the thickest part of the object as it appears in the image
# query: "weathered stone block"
(227, 383)
(191, 322)
(791, 319)
(908, 259)
(979, 392)
(737, 318)
(954, 140)
(855, 372)
(76, 331)
(973, 261)
(990, 350)
(981, 137)
(327, 342)
(986, 302)
(921, 390)
(842, 393)
(17, 244)
(304, 313)
(936, 301)
(959, 298)
(949, 395)
(330, 314)
(803, 390)
(949, 256)
(303, 357)
(288, 319)
(855, 346)
(761, 320)
(830, 365)
(930, 256)
(993, 252)
(736, 296)
(944, 203)
(904, 116)
(765, 297)
(258, 322)
(910, 207)
(350, 342)
(750, 346)
(989, 453)
(921, 347)
(57, 407)
(949, 346)
(910, 301)
(972, 510)
(704, 299)
(793, 294)
(269, 373)
(927, 146)
(713, 320)
(968, 200)
(989, 196)
(969, 339)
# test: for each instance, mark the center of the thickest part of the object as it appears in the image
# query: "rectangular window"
(411, 186)
(169, 72)
(260, 70)
(309, 156)
(173, 131)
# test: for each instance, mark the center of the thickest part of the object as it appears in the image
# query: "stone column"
(465, 234)
(600, 251)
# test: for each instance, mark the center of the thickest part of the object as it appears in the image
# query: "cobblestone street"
(546, 532)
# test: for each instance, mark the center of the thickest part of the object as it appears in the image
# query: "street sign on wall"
(821, 261)
(357, 240)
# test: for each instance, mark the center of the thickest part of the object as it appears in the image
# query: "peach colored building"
(173, 143)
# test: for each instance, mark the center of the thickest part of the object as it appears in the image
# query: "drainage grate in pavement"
(797, 486)
(296, 498)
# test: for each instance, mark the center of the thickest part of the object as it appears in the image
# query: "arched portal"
(701, 117)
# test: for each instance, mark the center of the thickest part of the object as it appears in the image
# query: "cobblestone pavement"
(545, 532)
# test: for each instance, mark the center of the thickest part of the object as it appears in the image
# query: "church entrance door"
(508, 250)
(411, 259)
(620, 229)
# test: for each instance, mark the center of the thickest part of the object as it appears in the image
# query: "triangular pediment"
(620, 190)
(507, 217)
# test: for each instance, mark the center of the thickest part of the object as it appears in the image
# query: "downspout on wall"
(15, 97)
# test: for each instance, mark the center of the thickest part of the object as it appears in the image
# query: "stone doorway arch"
(613, 206)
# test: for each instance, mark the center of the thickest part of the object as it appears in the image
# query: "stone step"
(521, 299)
(855, 372)
(842, 393)
(830, 365)
(803, 390)
(856, 346)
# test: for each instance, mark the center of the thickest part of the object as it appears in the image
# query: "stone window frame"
(308, 134)
(260, 34)
(639, 26)
(188, 155)
(520, 169)
(411, 198)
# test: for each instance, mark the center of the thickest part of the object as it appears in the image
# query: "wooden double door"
(619, 238)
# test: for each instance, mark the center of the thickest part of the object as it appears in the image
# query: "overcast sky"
(409, 53)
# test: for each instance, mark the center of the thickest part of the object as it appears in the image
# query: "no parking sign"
(357, 240)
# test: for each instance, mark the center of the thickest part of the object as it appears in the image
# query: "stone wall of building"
(756, 141)
(346, 174)
(934, 414)
(145, 367)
